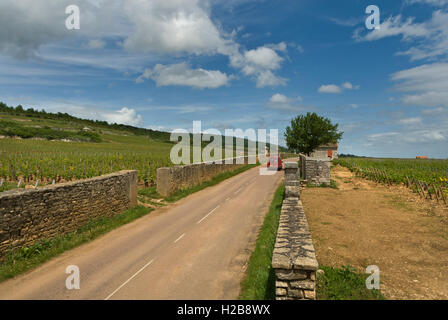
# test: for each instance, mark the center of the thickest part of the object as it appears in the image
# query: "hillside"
(59, 147)
(31, 118)
(31, 123)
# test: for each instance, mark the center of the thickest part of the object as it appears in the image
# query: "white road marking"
(228, 199)
(237, 191)
(135, 274)
(179, 238)
(208, 214)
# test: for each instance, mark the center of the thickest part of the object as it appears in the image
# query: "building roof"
(329, 145)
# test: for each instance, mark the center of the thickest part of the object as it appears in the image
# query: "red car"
(274, 163)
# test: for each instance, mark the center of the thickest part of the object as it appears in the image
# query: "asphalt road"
(197, 248)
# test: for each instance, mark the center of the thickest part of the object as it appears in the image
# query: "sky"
(161, 64)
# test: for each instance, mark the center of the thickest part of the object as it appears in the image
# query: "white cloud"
(262, 57)
(430, 98)
(329, 88)
(412, 137)
(279, 101)
(410, 121)
(429, 39)
(260, 63)
(180, 109)
(89, 111)
(335, 89)
(27, 25)
(124, 116)
(282, 46)
(425, 77)
(394, 26)
(425, 85)
(145, 75)
(349, 86)
(279, 98)
(353, 126)
(168, 28)
(266, 78)
(381, 136)
(96, 44)
(162, 26)
(173, 26)
(185, 26)
(436, 111)
(437, 3)
(181, 74)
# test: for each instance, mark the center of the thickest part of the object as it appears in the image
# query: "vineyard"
(429, 178)
(30, 163)
(26, 162)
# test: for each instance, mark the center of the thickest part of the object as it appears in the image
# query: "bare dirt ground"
(364, 223)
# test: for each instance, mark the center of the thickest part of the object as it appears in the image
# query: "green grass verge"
(9, 186)
(150, 192)
(26, 258)
(344, 284)
(333, 184)
(215, 180)
(259, 283)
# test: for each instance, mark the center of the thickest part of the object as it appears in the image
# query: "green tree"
(308, 132)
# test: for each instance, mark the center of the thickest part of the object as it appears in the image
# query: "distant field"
(62, 151)
(64, 161)
(429, 171)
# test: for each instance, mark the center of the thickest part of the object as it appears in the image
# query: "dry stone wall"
(172, 179)
(294, 259)
(30, 215)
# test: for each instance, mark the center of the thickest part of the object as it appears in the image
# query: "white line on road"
(237, 191)
(228, 199)
(135, 274)
(179, 238)
(208, 214)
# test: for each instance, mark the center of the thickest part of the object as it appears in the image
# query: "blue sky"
(238, 64)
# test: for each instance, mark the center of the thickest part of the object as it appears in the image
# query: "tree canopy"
(307, 132)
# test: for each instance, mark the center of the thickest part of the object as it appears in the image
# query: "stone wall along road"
(30, 215)
(172, 179)
(294, 259)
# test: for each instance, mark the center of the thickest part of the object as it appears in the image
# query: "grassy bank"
(332, 185)
(344, 284)
(259, 283)
(26, 258)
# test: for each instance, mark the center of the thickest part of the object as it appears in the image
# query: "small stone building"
(315, 170)
(325, 151)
